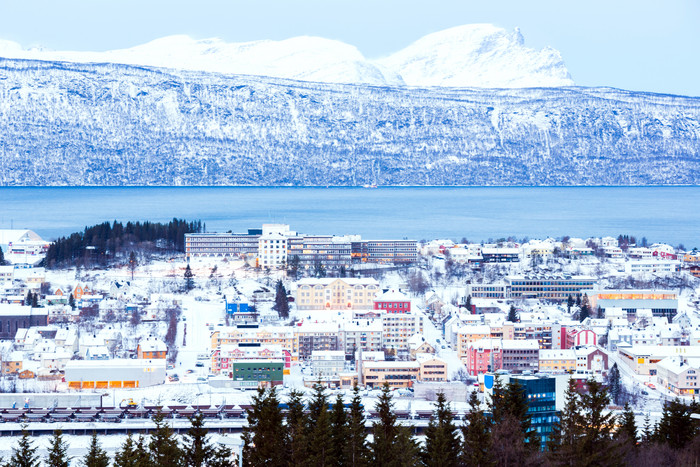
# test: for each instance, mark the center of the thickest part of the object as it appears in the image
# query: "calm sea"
(661, 214)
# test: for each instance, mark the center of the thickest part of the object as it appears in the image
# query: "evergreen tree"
(296, 431)
(319, 269)
(71, 301)
(28, 299)
(565, 440)
(196, 447)
(648, 431)
(357, 451)
(393, 445)
(163, 446)
(35, 300)
(569, 303)
(293, 267)
(129, 455)
(385, 431)
(578, 300)
(222, 457)
(513, 315)
(96, 456)
(132, 263)
(468, 303)
(339, 432)
(441, 438)
(676, 428)
(24, 455)
(2, 258)
(585, 309)
(614, 384)
(189, 278)
(281, 302)
(58, 451)
(476, 436)
(627, 429)
(598, 427)
(263, 438)
(320, 435)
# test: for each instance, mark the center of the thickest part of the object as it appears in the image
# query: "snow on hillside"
(467, 56)
(478, 55)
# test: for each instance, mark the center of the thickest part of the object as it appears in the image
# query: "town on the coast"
(132, 327)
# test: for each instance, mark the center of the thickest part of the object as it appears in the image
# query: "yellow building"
(336, 294)
(557, 361)
(692, 257)
(431, 368)
(396, 374)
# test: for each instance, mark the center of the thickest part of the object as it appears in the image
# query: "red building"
(393, 301)
(483, 356)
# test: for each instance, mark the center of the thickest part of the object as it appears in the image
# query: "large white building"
(336, 294)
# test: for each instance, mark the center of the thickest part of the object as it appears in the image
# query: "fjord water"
(661, 214)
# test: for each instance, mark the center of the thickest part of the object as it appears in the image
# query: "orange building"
(151, 347)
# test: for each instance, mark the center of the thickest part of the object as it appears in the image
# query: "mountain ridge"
(86, 124)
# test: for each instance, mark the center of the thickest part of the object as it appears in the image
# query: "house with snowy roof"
(151, 347)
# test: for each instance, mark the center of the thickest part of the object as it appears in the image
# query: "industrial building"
(114, 374)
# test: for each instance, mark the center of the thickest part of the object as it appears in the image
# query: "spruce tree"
(565, 439)
(627, 428)
(614, 384)
(339, 432)
(281, 303)
(675, 428)
(598, 427)
(476, 436)
(163, 446)
(569, 303)
(196, 447)
(2, 257)
(385, 431)
(296, 431)
(222, 457)
(585, 309)
(441, 438)
(58, 451)
(189, 278)
(133, 262)
(320, 436)
(263, 438)
(96, 456)
(24, 455)
(513, 315)
(357, 451)
(128, 455)
(393, 445)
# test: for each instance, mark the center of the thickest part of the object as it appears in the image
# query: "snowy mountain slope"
(467, 56)
(478, 55)
(81, 124)
(300, 58)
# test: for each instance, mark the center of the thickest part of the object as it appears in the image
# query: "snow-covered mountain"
(300, 58)
(479, 55)
(85, 124)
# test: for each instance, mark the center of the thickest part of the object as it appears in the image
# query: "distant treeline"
(101, 243)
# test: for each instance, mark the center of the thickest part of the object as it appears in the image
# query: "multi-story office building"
(546, 287)
(336, 294)
(222, 244)
(495, 291)
(330, 251)
(385, 251)
(274, 245)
